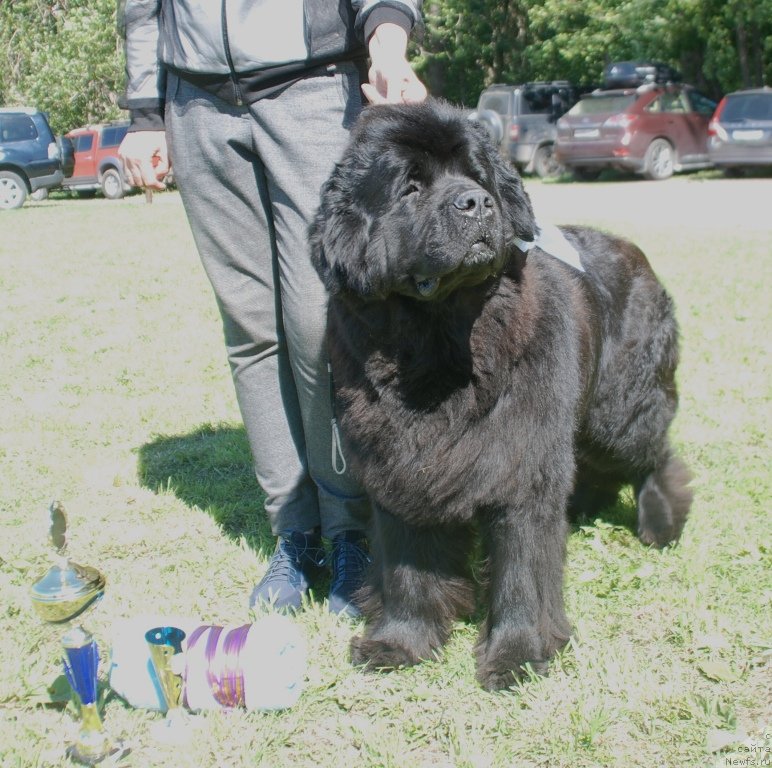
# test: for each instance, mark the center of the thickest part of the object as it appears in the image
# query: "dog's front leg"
(526, 620)
(418, 585)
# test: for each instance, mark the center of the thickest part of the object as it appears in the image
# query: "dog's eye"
(411, 188)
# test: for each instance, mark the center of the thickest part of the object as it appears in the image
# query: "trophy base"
(97, 753)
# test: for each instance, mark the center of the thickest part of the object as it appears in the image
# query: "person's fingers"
(398, 85)
(145, 159)
(372, 95)
(414, 91)
(151, 177)
(140, 172)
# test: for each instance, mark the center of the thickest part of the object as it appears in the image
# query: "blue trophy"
(62, 594)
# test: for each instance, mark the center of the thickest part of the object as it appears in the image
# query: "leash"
(338, 459)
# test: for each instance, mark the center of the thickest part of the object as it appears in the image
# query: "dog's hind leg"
(664, 499)
(418, 584)
(590, 497)
(526, 621)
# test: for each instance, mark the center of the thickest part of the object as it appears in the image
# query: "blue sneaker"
(350, 561)
(296, 564)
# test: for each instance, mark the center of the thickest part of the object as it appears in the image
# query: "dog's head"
(421, 204)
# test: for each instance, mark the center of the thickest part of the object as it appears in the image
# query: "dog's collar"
(553, 242)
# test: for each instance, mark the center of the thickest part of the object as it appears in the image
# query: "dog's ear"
(515, 203)
(340, 241)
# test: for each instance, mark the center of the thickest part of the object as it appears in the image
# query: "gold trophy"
(165, 645)
(62, 594)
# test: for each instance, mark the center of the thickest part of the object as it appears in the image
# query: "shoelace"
(288, 566)
(349, 561)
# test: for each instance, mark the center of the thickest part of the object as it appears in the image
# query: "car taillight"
(53, 151)
(514, 132)
(714, 126)
(622, 120)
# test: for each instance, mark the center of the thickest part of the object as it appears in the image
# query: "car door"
(681, 128)
(85, 158)
(24, 146)
(700, 112)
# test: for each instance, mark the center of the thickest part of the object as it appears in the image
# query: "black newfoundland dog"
(484, 388)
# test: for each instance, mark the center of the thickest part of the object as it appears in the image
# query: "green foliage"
(65, 56)
(718, 45)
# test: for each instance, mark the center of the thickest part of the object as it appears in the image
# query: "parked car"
(654, 129)
(521, 121)
(97, 165)
(741, 130)
(30, 157)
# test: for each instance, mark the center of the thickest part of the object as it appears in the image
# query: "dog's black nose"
(474, 202)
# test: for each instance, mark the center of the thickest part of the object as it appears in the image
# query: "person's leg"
(299, 135)
(223, 187)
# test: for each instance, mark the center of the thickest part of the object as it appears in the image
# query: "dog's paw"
(507, 656)
(380, 654)
(501, 673)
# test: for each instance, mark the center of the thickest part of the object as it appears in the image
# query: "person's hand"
(145, 158)
(392, 80)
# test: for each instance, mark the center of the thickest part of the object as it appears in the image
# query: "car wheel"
(659, 161)
(546, 164)
(585, 174)
(13, 190)
(112, 184)
(491, 121)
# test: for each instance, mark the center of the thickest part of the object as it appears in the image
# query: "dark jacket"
(243, 50)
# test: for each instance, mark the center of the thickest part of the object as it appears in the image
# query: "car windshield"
(752, 106)
(602, 104)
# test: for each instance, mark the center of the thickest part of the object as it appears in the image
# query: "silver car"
(740, 131)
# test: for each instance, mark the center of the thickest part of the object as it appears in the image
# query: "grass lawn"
(116, 398)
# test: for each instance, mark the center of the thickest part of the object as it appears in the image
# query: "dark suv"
(30, 157)
(97, 165)
(521, 120)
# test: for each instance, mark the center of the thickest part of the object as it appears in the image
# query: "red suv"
(97, 165)
(654, 129)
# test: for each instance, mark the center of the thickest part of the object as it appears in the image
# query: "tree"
(719, 45)
(63, 57)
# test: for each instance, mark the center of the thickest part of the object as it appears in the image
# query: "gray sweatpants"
(249, 179)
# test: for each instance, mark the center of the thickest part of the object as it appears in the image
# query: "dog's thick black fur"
(483, 390)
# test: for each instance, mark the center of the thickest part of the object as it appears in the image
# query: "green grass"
(116, 398)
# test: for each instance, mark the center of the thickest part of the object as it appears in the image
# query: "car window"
(113, 136)
(496, 101)
(674, 102)
(602, 104)
(701, 103)
(17, 128)
(748, 106)
(536, 102)
(84, 142)
(655, 107)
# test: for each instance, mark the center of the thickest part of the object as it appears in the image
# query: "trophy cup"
(165, 645)
(62, 594)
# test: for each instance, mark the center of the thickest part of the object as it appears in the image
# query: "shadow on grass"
(623, 513)
(211, 469)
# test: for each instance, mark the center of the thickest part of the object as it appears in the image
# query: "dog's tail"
(664, 499)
